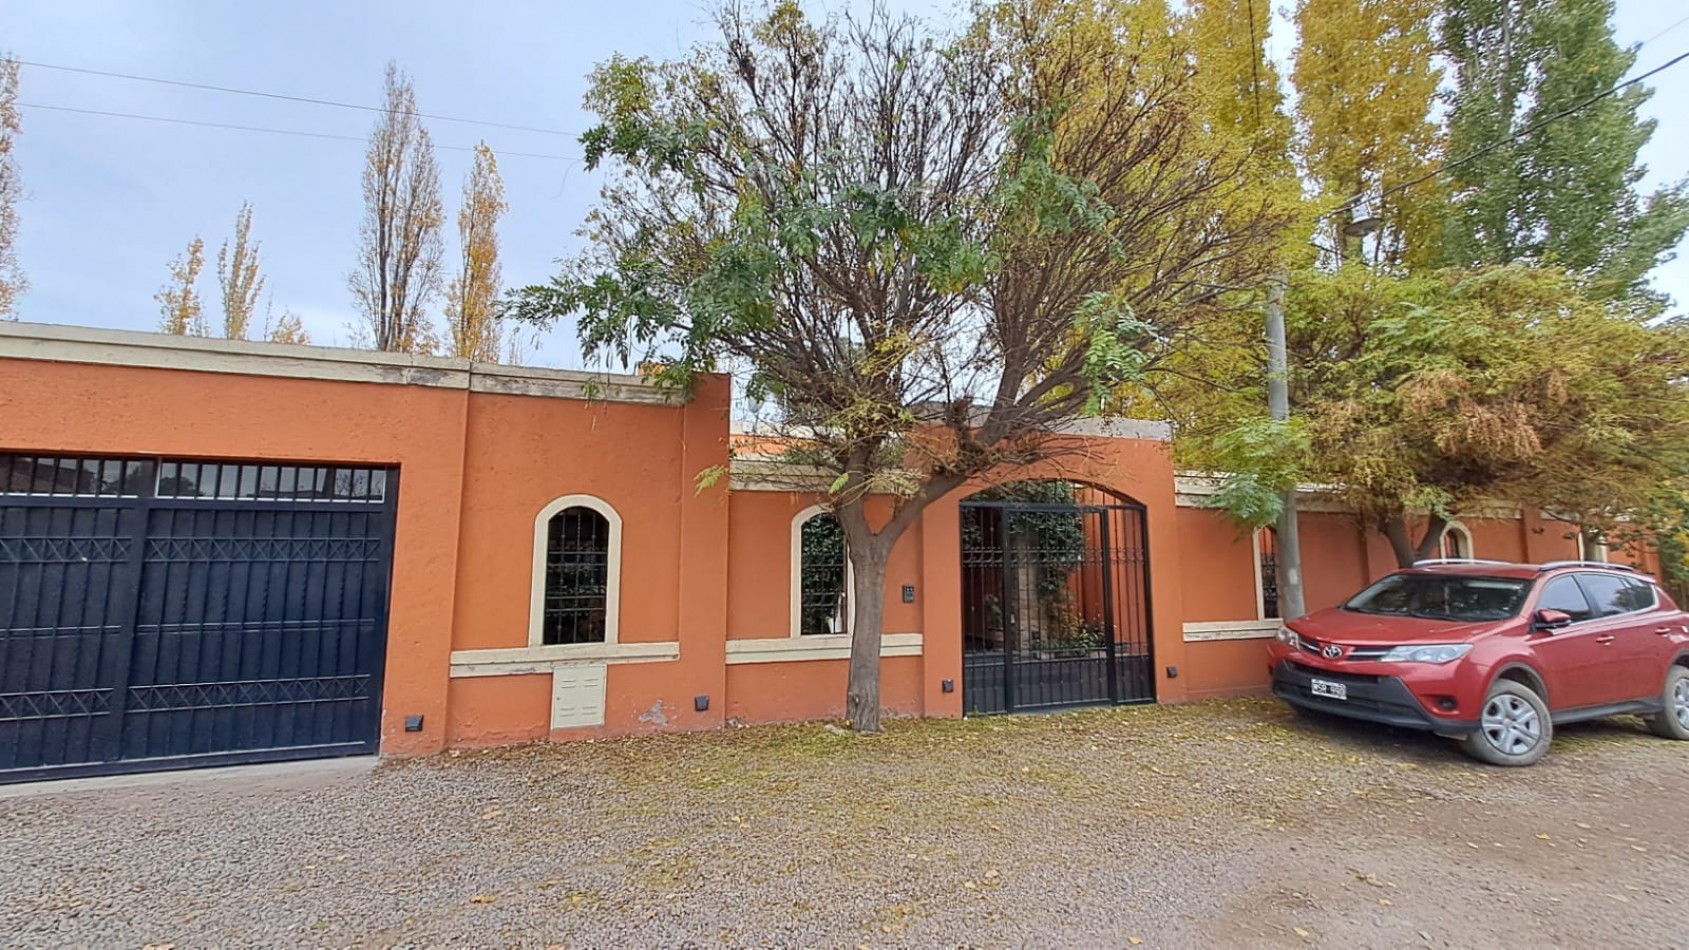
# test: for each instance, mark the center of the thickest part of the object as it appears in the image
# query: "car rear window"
(1612, 595)
(1443, 597)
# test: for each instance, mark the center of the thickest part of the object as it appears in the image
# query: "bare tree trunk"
(867, 622)
(1401, 543)
(1434, 528)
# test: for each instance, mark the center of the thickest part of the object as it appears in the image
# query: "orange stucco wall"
(1222, 668)
(759, 565)
(498, 710)
(521, 454)
(815, 689)
(1217, 559)
(1333, 565)
(701, 567)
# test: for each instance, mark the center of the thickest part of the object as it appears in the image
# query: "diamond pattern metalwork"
(263, 549)
(58, 704)
(321, 689)
(63, 550)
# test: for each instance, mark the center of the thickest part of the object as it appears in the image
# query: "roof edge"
(60, 343)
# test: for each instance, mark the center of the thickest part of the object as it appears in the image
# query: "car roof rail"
(1605, 565)
(1457, 560)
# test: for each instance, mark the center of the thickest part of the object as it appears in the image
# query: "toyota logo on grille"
(1332, 651)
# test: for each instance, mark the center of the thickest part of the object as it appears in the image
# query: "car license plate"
(1330, 690)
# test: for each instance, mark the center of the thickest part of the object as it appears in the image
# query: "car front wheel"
(1673, 720)
(1513, 728)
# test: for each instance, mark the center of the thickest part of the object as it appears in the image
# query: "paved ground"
(1227, 824)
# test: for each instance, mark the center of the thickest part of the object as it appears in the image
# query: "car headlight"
(1427, 653)
(1289, 638)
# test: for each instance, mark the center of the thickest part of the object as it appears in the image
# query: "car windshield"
(1443, 597)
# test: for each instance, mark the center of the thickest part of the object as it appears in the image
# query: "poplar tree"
(1365, 82)
(237, 275)
(179, 300)
(399, 253)
(1237, 80)
(287, 328)
(1566, 193)
(471, 316)
(12, 281)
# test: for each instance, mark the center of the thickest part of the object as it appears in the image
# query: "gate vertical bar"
(1150, 693)
(1009, 611)
(128, 611)
(1105, 515)
(375, 642)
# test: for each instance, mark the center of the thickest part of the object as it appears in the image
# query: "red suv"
(1493, 654)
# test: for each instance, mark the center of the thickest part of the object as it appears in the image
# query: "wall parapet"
(72, 344)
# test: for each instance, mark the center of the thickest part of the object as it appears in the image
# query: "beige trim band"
(545, 659)
(815, 647)
(69, 344)
(1211, 630)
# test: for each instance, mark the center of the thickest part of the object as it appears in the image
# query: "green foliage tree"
(936, 249)
(1615, 456)
(1438, 393)
(1567, 193)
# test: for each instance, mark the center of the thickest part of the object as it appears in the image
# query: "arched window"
(1266, 571)
(577, 572)
(821, 575)
(1456, 542)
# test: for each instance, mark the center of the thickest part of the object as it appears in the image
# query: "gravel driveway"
(1223, 824)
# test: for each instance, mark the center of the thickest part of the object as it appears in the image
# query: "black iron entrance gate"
(1055, 605)
(160, 613)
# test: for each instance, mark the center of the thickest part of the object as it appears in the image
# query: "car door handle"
(1606, 641)
(1664, 631)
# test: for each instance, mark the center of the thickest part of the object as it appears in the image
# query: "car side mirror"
(1551, 620)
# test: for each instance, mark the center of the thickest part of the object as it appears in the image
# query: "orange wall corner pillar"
(1153, 487)
(419, 648)
(702, 623)
(941, 607)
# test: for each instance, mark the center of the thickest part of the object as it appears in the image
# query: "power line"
(254, 128)
(283, 97)
(1533, 127)
(1664, 31)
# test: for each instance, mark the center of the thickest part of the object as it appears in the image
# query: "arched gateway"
(1055, 599)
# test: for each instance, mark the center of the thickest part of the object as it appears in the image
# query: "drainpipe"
(1291, 603)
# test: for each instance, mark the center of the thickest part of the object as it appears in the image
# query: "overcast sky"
(110, 201)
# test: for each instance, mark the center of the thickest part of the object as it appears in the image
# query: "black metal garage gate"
(169, 613)
(1055, 604)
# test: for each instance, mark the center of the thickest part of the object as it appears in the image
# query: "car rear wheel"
(1673, 721)
(1513, 727)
